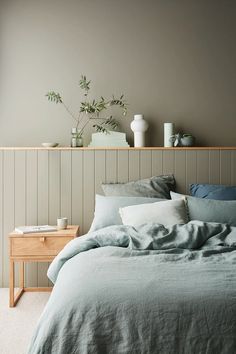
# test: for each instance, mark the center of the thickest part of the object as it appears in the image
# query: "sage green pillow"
(153, 187)
(210, 210)
(107, 209)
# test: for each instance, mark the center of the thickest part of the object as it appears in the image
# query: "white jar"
(139, 126)
(168, 132)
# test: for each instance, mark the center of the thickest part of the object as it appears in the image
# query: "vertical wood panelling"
(225, 167)
(145, 164)
(214, 167)
(20, 193)
(123, 166)
(100, 170)
(32, 208)
(134, 165)
(43, 203)
(203, 166)
(8, 208)
(111, 166)
(191, 169)
(54, 190)
(20, 188)
(43, 200)
(77, 188)
(32, 188)
(38, 186)
(157, 163)
(180, 171)
(88, 186)
(233, 168)
(168, 162)
(66, 190)
(54, 186)
(1, 219)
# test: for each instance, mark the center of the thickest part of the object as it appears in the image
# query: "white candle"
(168, 132)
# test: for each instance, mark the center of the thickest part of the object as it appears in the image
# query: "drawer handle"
(42, 239)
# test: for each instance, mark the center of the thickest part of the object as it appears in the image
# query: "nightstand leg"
(12, 283)
(22, 275)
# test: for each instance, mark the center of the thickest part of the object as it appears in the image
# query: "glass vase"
(76, 138)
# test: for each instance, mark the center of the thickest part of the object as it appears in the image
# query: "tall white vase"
(139, 127)
(168, 132)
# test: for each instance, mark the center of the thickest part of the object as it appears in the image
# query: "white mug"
(62, 223)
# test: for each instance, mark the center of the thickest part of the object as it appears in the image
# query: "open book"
(33, 229)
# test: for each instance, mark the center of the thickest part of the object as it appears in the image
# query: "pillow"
(154, 187)
(175, 195)
(107, 209)
(213, 191)
(209, 210)
(168, 212)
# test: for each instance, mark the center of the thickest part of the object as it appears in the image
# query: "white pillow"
(168, 213)
(175, 195)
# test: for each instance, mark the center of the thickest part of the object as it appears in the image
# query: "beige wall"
(173, 59)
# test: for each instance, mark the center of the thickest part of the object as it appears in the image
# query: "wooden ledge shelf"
(62, 148)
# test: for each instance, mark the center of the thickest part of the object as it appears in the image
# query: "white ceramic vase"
(168, 132)
(139, 127)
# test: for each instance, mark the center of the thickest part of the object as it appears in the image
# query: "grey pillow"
(107, 209)
(210, 210)
(154, 187)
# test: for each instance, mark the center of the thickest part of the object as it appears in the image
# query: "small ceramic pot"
(62, 223)
(187, 141)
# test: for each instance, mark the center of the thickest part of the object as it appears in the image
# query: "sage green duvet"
(145, 290)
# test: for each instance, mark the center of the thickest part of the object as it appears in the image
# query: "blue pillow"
(213, 191)
(107, 209)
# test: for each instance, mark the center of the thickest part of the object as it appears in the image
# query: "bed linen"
(143, 290)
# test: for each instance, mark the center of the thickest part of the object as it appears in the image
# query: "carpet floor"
(17, 324)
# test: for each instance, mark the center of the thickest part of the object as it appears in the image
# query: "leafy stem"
(91, 109)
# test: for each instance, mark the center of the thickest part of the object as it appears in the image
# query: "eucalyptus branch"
(84, 85)
(91, 110)
(69, 111)
(78, 120)
(56, 98)
(84, 126)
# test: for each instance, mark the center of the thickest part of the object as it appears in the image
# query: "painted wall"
(174, 60)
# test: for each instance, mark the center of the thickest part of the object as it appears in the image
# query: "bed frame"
(38, 184)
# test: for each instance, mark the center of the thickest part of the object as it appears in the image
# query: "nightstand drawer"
(38, 246)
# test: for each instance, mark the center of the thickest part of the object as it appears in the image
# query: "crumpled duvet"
(151, 289)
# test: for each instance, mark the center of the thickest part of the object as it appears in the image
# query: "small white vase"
(168, 132)
(139, 127)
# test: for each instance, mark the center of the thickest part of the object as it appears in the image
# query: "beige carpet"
(17, 324)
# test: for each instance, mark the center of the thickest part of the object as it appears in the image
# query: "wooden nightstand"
(35, 247)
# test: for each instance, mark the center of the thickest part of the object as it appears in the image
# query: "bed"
(147, 288)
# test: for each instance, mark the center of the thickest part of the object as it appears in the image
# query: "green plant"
(90, 111)
(187, 135)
